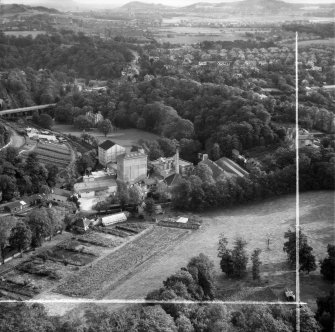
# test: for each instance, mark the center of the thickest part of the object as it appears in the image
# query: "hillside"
(246, 6)
(142, 6)
(12, 9)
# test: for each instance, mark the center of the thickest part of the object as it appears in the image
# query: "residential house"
(108, 151)
(95, 118)
(59, 195)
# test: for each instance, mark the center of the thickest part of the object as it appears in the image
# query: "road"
(16, 140)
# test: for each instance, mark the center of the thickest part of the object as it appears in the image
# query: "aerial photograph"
(167, 165)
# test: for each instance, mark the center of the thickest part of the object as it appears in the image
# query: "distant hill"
(142, 6)
(17, 9)
(244, 7)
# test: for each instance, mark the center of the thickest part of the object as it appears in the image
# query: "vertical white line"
(297, 220)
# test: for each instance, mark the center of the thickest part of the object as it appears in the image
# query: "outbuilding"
(113, 219)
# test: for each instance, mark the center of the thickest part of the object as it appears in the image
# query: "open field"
(255, 222)
(302, 43)
(34, 34)
(124, 137)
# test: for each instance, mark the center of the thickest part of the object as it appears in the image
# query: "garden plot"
(99, 239)
(68, 257)
(94, 281)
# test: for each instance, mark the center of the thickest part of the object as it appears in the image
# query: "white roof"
(113, 219)
(182, 220)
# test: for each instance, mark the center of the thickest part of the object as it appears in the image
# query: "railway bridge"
(25, 111)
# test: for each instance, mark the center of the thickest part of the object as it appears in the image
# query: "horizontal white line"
(140, 301)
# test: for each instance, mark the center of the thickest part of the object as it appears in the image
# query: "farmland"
(49, 153)
(190, 35)
(93, 282)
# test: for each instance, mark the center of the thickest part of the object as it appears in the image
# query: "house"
(14, 207)
(108, 151)
(113, 219)
(59, 195)
(82, 224)
(95, 118)
(132, 167)
(92, 185)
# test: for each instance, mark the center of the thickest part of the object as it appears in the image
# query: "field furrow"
(109, 270)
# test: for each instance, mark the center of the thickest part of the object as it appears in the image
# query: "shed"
(113, 219)
(182, 220)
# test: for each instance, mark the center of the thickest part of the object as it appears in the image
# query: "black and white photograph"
(167, 165)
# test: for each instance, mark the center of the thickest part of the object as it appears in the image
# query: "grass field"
(124, 137)
(254, 222)
(303, 43)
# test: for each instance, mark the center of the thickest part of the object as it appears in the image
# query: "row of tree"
(19, 177)
(21, 234)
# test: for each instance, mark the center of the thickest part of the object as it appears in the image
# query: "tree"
(29, 318)
(328, 264)
(20, 237)
(135, 195)
(168, 146)
(45, 121)
(105, 126)
(256, 264)
(202, 270)
(6, 224)
(84, 162)
(82, 122)
(156, 319)
(215, 152)
(306, 258)
(325, 313)
(40, 226)
(149, 206)
(204, 172)
(239, 258)
(222, 246)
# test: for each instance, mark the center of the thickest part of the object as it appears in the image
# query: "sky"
(184, 2)
(116, 3)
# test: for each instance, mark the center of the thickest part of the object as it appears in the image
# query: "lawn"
(124, 137)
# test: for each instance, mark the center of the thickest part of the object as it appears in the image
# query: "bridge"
(25, 111)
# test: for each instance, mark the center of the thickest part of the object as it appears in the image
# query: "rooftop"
(107, 144)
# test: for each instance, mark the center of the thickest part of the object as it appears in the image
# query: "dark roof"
(106, 144)
(173, 179)
(61, 192)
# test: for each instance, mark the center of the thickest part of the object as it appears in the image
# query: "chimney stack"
(176, 161)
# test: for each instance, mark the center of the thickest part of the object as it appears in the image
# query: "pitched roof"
(216, 169)
(106, 144)
(61, 192)
(173, 179)
(231, 167)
